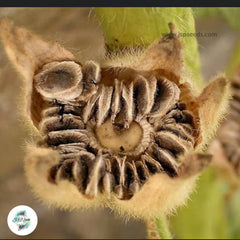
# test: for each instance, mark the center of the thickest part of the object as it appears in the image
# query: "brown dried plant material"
(229, 133)
(225, 169)
(128, 136)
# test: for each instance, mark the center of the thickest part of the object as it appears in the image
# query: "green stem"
(163, 228)
(131, 27)
(158, 228)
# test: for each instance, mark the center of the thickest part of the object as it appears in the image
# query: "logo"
(22, 220)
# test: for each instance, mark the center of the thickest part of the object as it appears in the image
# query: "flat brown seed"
(66, 170)
(71, 147)
(167, 95)
(142, 95)
(134, 187)
(91, 72)
(116, 100)
(64, 122)
(67, 156)
(50, 112)
(142, 170)
(104, 104)
(96, 172)
(91, 77)
(152, 83)
(91, 104)
(180, 131)
(166, 159)
(59, 80)
(145, 90)
(52, 173)
(128, 105)
(81, 169)
(187, 127)
(80, 175)
(132, 179)
(152, 165)
(184, 116)
(172, 142)
(122, 192)
(55, 138)
(108, 182)
(121, 189)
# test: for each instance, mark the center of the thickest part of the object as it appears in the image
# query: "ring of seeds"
(113, 127)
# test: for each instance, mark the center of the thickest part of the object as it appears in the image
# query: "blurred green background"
(208, 213)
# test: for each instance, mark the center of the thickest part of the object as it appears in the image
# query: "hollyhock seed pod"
(128, 135)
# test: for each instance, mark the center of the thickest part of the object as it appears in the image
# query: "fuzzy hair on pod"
(128, 135)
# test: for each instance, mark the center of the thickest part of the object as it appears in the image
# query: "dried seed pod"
(229, 132)
(119, 133)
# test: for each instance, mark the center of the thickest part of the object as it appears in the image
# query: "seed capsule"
(127, 134)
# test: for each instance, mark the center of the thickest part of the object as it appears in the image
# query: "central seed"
(119, 140)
